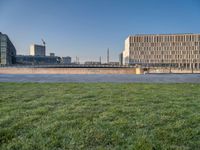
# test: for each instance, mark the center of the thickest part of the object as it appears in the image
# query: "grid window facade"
(177, 50)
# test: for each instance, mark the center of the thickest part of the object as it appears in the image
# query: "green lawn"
(99, 116)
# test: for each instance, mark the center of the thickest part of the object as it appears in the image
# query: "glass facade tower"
(7, 50)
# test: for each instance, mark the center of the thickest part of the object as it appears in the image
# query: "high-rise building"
(37, 50)
(7, 50)
(176, 50)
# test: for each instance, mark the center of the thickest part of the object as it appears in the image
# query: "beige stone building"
(175, 50)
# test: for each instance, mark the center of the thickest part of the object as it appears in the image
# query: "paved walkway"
(148, 78)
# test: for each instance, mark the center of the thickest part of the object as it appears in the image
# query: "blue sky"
(86, 28)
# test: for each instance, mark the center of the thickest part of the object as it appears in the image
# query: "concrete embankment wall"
(172, 70)
(11, 70)
(67, 70)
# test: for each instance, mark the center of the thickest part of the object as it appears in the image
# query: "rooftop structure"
(52, 54)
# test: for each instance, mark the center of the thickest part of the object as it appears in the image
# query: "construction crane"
(44, 43)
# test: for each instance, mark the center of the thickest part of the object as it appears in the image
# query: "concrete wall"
(67, 70)
(90, 70)
(173, 70)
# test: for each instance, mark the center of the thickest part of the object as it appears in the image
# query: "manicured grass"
(99, 116)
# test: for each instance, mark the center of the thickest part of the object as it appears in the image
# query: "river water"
(148, 78)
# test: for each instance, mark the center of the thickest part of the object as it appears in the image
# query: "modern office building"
(7, 50)
(37, 60)
(174, 50)
(66, 60)
(37, 50)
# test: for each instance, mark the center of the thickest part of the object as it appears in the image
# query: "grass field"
(99, 116)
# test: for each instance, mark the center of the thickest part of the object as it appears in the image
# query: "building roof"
(165, 34)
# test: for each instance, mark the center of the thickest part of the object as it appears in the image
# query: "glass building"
(37, 60)
(7, 50)
(37, 50)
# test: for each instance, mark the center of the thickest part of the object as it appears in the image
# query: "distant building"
(114, 63)
(121, 58)
(37, 50)
(37, 60)
(52, 54)
(7, 50)
(66, 60)
(176, 50)
(92, 63)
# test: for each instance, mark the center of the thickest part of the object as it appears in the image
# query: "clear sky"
(86, 28)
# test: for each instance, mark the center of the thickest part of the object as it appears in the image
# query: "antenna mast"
(108, 56)
(100, 59)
